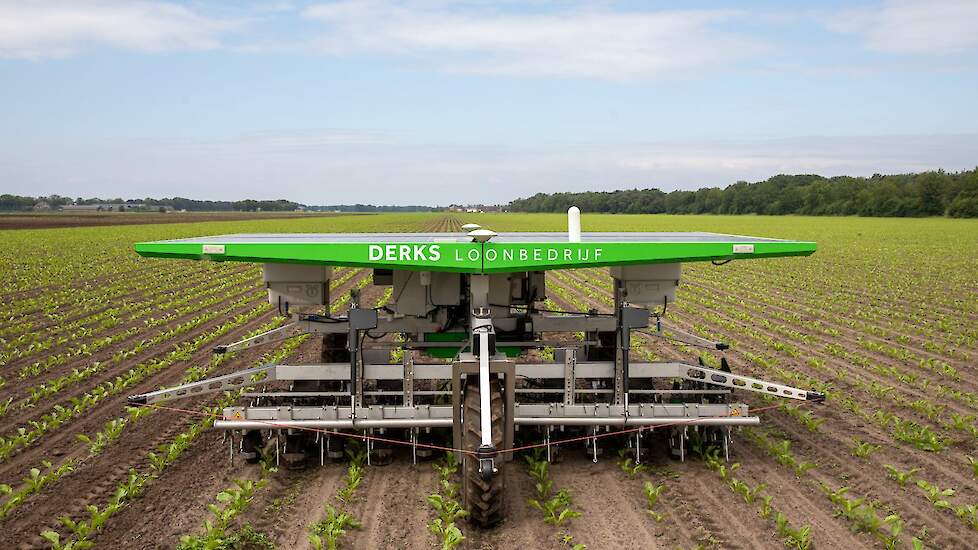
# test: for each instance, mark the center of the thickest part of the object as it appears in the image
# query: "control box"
(648, 285)
(292, 285)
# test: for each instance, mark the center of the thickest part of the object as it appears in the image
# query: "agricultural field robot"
(467, 343)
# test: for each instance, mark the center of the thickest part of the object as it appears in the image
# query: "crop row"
(162, 459)
(27, 435)
(92, 326)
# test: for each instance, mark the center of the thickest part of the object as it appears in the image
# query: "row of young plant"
(160, 460)
(329, 531)
(890, 313)
(820, 318)
(652, 491)
(887, 530)
(706, 297)
(786, 348)
(112, 430)
(834, 289)
(171, 332)
(938, 498)
(799, 538)
(65, 304)
(59, 415)
(90, 328)
(228, 505)
(87, 349)
(903, 430)
(555, 505)
(161, 297)
(828, 337)
(862, 516)
(97, 442)
(446, 505)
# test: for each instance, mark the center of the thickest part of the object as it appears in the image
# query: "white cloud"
(912, 26)
(56, 29)
(575, 42)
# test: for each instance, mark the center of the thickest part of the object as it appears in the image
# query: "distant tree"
(929, 195)
(925, 194)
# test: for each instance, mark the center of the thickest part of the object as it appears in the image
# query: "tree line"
(21, 203)
(940, 193)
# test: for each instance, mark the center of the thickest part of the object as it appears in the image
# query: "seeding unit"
(465, 307)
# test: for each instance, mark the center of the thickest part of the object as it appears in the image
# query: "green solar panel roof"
(455, 252)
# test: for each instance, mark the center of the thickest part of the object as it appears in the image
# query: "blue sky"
(433, 102)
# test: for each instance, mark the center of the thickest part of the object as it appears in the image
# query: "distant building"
(114, 207)
(41, 206)
(474, 208)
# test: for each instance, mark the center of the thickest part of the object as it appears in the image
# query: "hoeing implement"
(471, 351)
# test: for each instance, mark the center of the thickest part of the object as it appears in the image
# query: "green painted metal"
(522, 253)
(462, 337)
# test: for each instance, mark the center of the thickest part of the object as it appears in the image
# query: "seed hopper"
(467, 343)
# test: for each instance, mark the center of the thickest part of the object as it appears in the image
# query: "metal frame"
(620, 404)
(569, 371)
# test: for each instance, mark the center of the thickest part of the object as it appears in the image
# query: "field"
(883, 319)
(41, 220)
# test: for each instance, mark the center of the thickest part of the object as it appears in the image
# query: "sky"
(432, 102)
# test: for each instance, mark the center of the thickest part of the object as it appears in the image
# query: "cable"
(403, 288)
(724, 262)
(529, 308)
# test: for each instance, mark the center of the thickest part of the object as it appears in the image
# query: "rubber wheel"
(483, 499)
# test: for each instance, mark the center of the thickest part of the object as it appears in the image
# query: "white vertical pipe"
(574, 224)
(485, 403)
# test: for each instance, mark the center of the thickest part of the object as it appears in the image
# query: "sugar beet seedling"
(465, 308)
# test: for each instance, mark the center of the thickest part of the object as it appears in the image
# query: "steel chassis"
(623, 405)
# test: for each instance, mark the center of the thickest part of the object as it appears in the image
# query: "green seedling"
(652, 493)
(352, 480)
(449, 534)
(55, 539)
(890, 537)
(799, 539)
(540, 472)
(901, 477)
(568, 540)
(448, 510)
(326, 533)
(936, 495)
(862, 449)
(765, 509)
(447, 466)
(557, 509)
(628, 465)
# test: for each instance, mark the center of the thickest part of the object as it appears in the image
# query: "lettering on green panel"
(476, 256)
